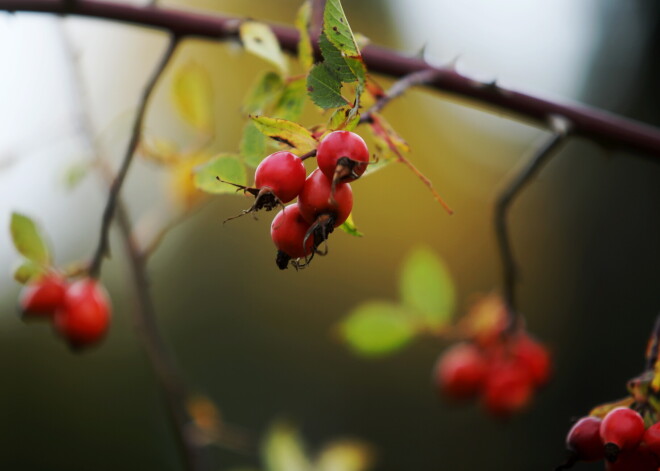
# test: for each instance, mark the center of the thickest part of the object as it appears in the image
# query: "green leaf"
(292, 100)
(377, 328)
(287, 132)
(283, 449)
(27, 271)
(427, 287)
(28, 240)
(349, 227)
(337, 29)
(259, 40)
(192, 93)
(253, 145)
(344, 455)
(75, 174)
(324, 88)
(226, 167)
(305, 51)
(335, 61)
(262, 93)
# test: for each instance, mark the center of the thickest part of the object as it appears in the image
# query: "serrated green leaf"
(27, 271)
(344, 455)
(291, 134)
(253, 145)
(377, 328)
(305, 51)
(226, 167)
(324, 88)
(335, 61)
(28, 240)
(427, 287)
(259, 40)
(349, 227)
(263, 93)
(336, 27)
(283, 449)
(291, 102)
(192, 93)
(75, 174)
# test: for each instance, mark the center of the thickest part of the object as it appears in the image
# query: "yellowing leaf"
(192, 93)
(283, 449)
(291, 134)
(226, 167)
(344, 119)
(337, 29)
(182, 181)
(349, 227)
(377, 328)
(427, 287)
(27, 271)
(28, 240)
(345, 455)
(259, 40)
(305, 52)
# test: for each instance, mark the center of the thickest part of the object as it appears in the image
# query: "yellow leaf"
(345, 455)
(291, 134)
(192, 93)
(182, 181)
(259, 40)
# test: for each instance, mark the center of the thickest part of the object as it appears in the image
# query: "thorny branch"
(561, 128)
(602, 127)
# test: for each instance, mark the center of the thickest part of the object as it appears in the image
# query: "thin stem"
(561, 129)
(144, 315)
(653, 346)
(136, 134)
(602, 127)
(308, 155)
(416, 78)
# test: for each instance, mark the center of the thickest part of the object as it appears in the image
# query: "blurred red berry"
(461, 371)
(84, 316)
(43, 296)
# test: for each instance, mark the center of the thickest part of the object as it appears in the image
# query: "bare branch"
(561, 129)
(136, 134)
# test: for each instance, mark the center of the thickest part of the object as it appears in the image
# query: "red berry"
(282, 173)
(584, 440)
(508, 388)
(533, 356)
(342, 155)
(652, 439)
(43, 296)
(85, 314)
(461, 371)
(316, 199)
(622, 430)
(639, 459)
(288, 231)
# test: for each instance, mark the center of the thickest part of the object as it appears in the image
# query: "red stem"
(605, 128)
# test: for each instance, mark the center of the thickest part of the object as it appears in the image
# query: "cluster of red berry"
(325, 197)
(620, 438)
(504, 370)
(80, 311)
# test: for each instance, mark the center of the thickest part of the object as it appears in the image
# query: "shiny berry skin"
(584, 440)
(288, 231)
(622, 430)
(316, 199)
(42, 297)
(533, 356)
(340, 144)
(283, 173)
(508, 388)
(461, 371)
(84, 316)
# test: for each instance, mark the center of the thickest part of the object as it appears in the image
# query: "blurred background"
(261, 342)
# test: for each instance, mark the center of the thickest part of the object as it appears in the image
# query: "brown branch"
(603, 127)
(561, 129)
(144, 315)
(136, 134)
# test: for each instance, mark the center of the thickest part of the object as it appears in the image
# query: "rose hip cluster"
(325, 197)
(504, 371)
(620, 438)
(80, 311)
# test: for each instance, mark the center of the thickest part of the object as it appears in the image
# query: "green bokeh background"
(261, 342)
